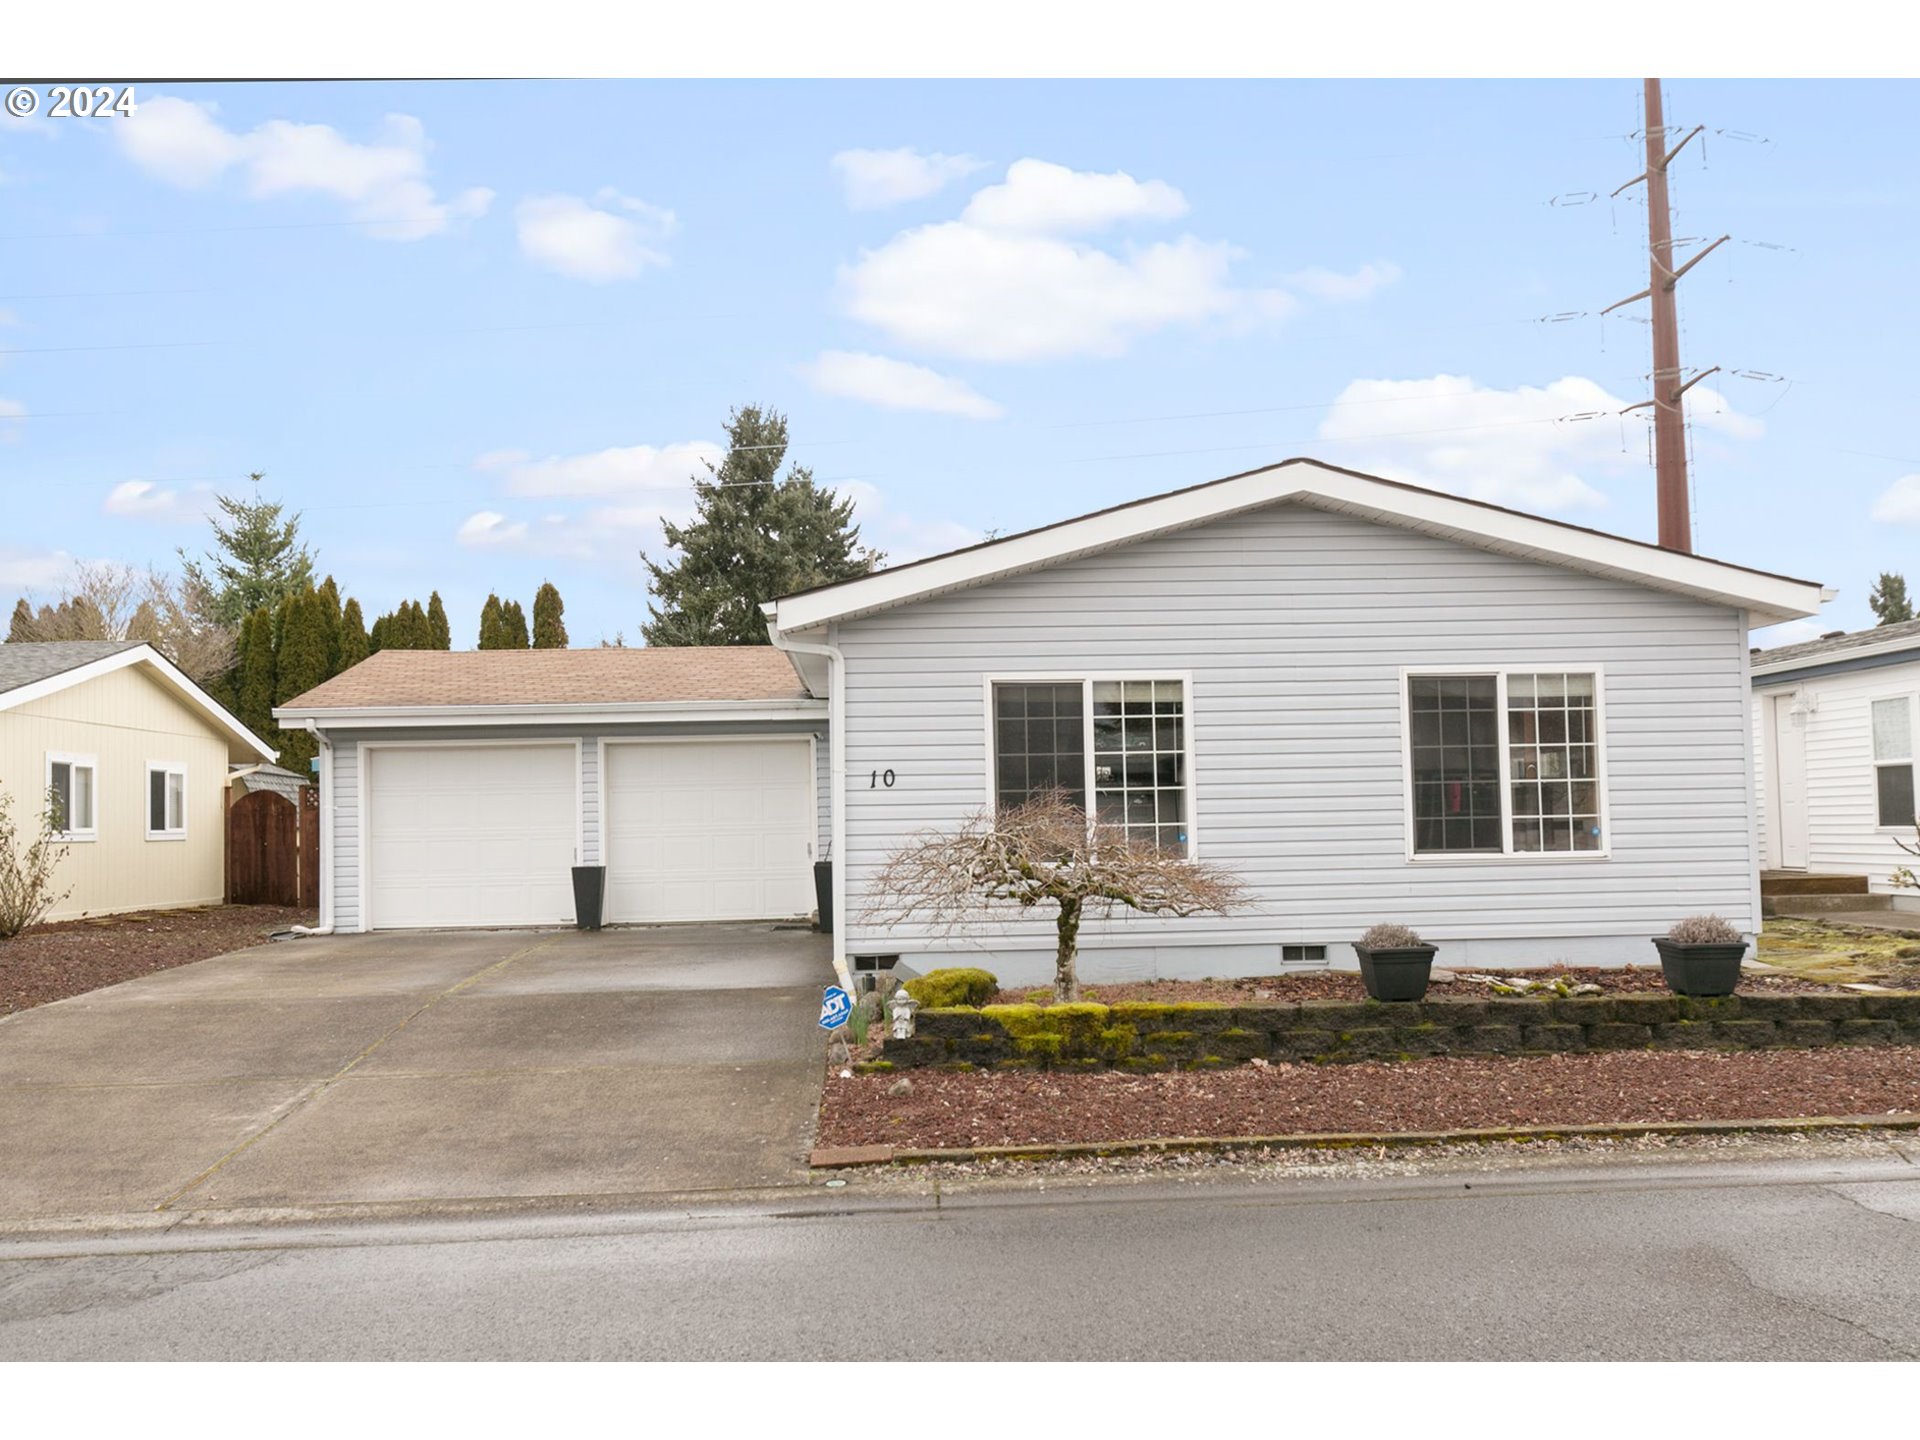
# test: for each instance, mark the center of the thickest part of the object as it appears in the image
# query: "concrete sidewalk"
(393, 1069)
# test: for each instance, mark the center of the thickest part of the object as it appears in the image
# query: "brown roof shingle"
(613, 676)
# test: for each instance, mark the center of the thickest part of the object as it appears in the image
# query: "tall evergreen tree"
(377, 635)
(549, 624)
(755, 537)
(1888, 599)
(300, 665)
(256, 687)
(440, 635)
(257, 557)
(490, 638)
(22, 626)
(353, 636)
(329, 594)
(513, 626)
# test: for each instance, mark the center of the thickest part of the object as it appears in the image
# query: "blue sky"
(481, 333)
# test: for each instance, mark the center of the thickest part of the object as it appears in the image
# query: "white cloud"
(897, 385)
(1357, 285)
(42, 571)
(1899, 503)
(1009, 281)
(487, 528)
(1039, 197)
(614, 238)
(145, 500)
(903, 537)
(382, 184)
(875, 179)
(621, 471)
(10, 409)
(1513, 447)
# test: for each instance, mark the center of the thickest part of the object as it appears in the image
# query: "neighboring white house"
(1372, 700)
(1835, 722)
(137, 755)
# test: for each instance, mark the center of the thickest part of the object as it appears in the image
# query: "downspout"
(325, 927)
(836, 778)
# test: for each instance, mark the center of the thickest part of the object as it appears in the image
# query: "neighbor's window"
(166, 802)
(1135, 767)
(71, 780)
(1533, 789)
(1893, 761)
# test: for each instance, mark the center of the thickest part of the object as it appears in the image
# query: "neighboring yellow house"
(137, 754)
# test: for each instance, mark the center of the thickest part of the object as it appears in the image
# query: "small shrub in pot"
(1701, 955)
(1395, 964)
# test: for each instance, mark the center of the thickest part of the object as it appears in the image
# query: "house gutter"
(325, 927)
(836, 778)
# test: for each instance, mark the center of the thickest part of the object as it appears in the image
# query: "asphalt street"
(1775, 1260)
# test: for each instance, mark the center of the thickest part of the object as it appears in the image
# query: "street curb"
(842, 1157)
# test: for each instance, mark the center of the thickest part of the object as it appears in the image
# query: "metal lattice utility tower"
(1669, 419)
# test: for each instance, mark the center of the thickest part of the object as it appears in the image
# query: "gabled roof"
(415, 681)
(32, 669)
(1882, 640)
(1767, 597)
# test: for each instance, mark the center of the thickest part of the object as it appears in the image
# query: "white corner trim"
(175, 679)
(1769, 598)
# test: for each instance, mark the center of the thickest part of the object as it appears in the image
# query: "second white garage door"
(471, 835)
(709, 830)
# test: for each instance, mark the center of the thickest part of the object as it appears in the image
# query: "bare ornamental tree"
(1043, 852)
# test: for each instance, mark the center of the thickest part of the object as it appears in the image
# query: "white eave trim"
(174, 678)
(678, 711)
(1766, 598)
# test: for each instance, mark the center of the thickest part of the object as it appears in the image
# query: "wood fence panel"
(263, 850)
(310, 846)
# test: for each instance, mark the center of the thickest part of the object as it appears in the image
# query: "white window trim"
(89, 762)
(1875, 764)
(164, 767)
(1506, 851)
(1086, 680)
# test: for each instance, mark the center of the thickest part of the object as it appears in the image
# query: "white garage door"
(709, 830)
(471, 835)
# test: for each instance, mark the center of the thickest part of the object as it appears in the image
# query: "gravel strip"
(946, 1109)
(52, 962)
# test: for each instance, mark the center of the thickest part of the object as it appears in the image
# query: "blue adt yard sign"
(835, 1006)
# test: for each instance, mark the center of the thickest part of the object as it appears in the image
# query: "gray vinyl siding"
(1295, 625)
(346, 773)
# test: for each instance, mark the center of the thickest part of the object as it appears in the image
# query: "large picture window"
(1893, 761)
(1135, 767)
(1505, 763)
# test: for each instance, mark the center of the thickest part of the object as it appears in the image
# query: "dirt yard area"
(941, 1109)
(52, 962)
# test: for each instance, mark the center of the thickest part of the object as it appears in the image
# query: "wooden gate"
(266, 862)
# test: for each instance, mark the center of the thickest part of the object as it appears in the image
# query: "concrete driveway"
(395, 1070)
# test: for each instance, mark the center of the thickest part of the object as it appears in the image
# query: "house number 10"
(879, 778)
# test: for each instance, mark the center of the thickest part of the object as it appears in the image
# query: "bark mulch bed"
(945, 1109)
(70, 957)
(1345, 985)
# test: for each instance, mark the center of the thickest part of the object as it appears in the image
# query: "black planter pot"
(589, 891)
(823, 894)
(1703, 970)
(1397, 974)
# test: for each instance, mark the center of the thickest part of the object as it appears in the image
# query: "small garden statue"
(903, 1007)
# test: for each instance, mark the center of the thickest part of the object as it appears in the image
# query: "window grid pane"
(1892, 729)
(176, 800)
(1139, 760)
(1894, 787)
(1553, 745)
(156, 800)
(1455, 741)
(1039, 742)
